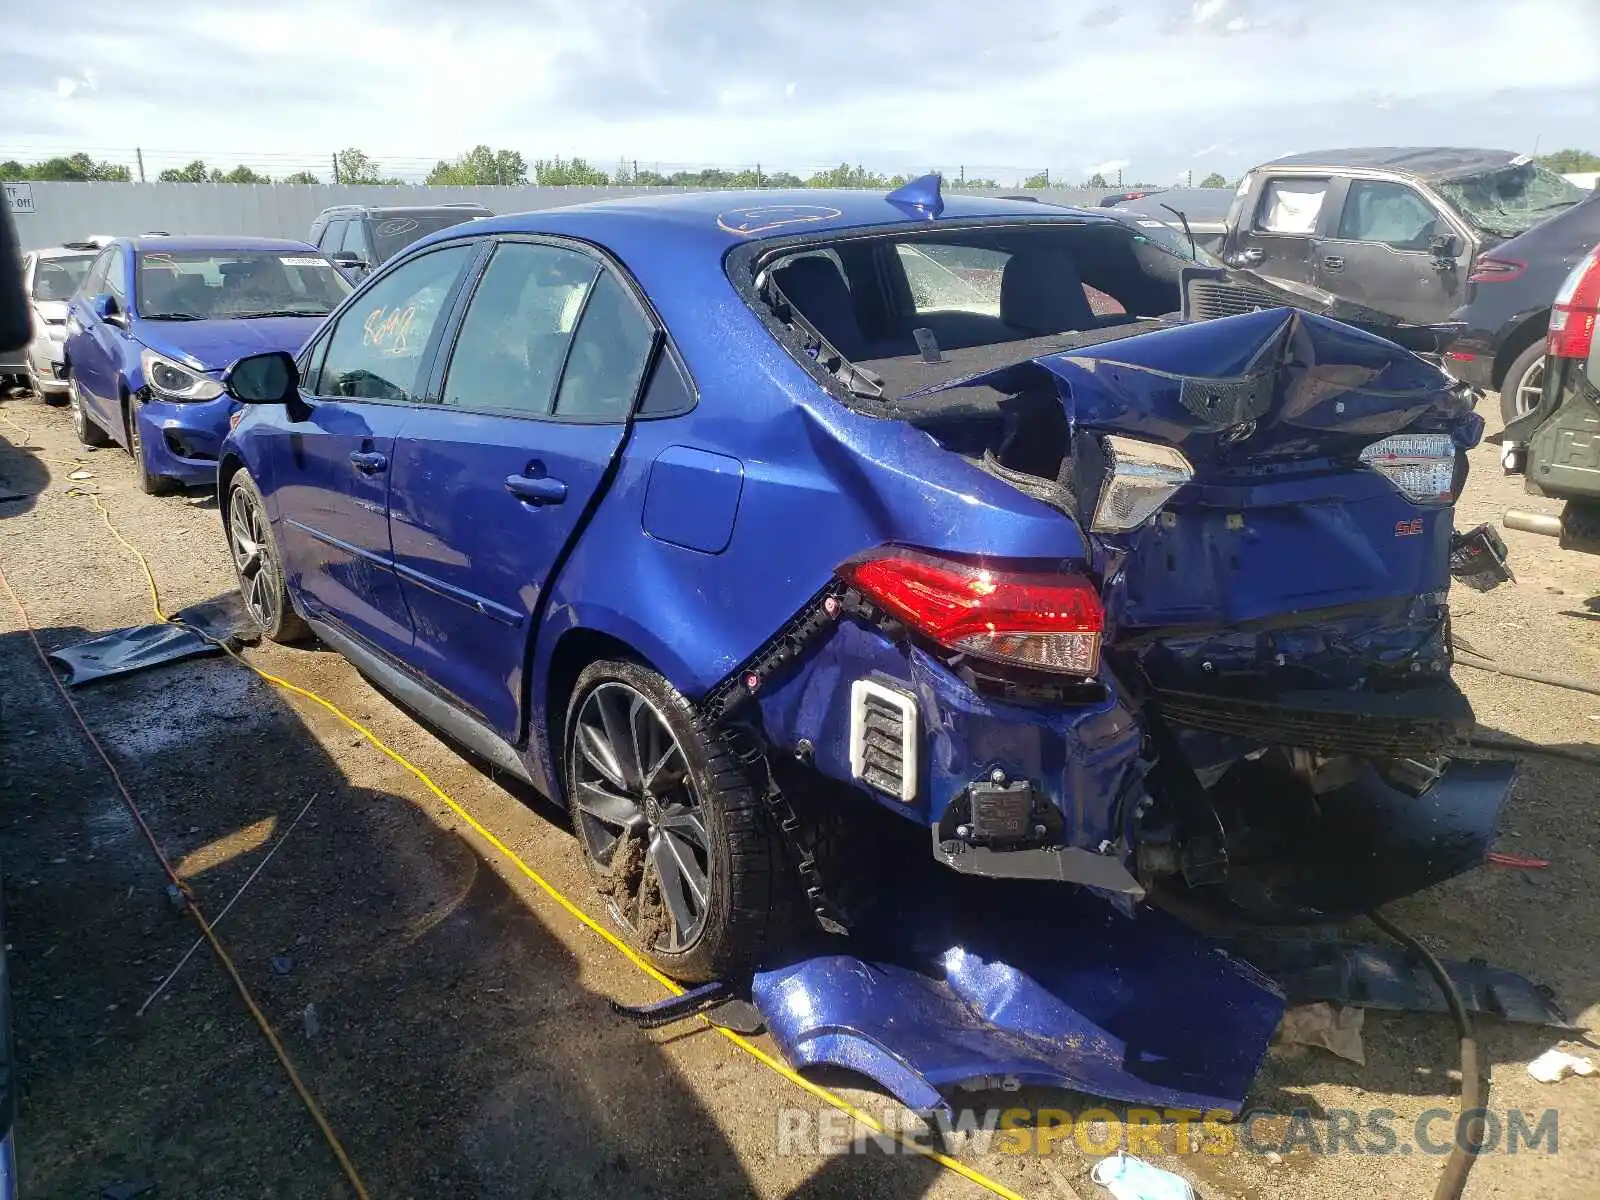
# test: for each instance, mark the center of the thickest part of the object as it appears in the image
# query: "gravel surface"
(460, 1040)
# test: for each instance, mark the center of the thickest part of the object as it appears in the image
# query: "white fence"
(68, 211)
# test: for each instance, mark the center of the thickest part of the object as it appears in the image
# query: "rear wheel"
(83, 424)
(674, 836)
(150, 484)
(1520, 389)
(257, 565)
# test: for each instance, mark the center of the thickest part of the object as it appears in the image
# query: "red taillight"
(1049, 622)
(1496, 270)
(1572, 317)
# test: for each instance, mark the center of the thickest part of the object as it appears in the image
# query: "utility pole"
(336, 168)
(758, 174)
(963, 182)
(1119, 176)
(139, 154)
(1047, 177)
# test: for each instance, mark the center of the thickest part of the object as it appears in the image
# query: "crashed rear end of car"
(1229, 696)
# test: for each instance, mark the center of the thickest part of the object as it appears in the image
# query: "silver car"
(50, 277)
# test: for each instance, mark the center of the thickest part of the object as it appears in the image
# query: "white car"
(50, 277)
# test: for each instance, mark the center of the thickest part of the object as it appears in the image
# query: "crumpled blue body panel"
(1139, 1011)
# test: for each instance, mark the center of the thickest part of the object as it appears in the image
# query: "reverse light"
(1422, 465)
(1140, 477)
(1496, 270)
(1572, 317)
(171, 380)
(1046, 622)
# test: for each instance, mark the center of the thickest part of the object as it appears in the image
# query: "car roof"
(1426, 163)
(719, 220)
(67, 252)
(215, 242)
(403, 210)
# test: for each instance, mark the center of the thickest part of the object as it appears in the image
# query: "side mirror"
(105, 307)
(1443, 245)
(263, 379)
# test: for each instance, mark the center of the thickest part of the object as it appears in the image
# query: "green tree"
(1096, 180)
(1214, 179)
(972, 183)
(1570, 162)
(13, 170)
(1041, 180)
(846, 176)
(240, 174)
(353, 166)
(558, 172)
(782, 179)
(481, 165)
(195, 172)
(300, 177)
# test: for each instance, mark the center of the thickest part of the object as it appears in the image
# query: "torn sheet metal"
(144, 646)
(1058, 992)
(1392, 978)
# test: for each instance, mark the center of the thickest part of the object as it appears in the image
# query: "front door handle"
(536, 489)
(1333, 262)
(368, 462)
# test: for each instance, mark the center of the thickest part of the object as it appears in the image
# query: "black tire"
(258, 564)
(149, 484)
(1525, 370)
(1580, 525)
(746, 880)
(89, 433)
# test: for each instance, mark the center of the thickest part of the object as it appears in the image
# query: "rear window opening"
(912, 308)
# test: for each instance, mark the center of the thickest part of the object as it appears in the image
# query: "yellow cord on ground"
(824, 1094)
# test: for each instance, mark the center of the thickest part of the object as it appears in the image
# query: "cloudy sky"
(1159, 87)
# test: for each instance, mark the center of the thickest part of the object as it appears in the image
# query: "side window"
(94, 283)
(355, 240)
(331, 237)
(668, 392)
(117, 274)
(1391, 213)
(608, 356)
(1290, 206)
(377, 350)
(518, 329)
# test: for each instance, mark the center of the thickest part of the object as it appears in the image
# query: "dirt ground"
(460, 1040)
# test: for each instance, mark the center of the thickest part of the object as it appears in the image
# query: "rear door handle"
(368, 462)
(1333, 262)
(536, 489)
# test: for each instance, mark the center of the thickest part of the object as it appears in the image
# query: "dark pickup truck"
(1397, 229)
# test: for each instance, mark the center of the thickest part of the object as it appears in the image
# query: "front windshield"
(1512, 199)
(1174, 240)
(57, 278)
(181, 285)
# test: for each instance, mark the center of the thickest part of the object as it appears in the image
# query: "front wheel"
(89, 433)
(150, 484)
(258, 566)
(674, 837)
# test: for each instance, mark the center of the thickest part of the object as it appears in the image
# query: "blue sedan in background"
(155, 321)
(717, 516)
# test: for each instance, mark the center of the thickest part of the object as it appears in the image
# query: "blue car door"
(491, 483)
(96, 347)
(330, 474)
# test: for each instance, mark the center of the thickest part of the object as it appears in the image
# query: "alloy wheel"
(640, 820)
(260, 582)
(80, 419)
(1529, 388)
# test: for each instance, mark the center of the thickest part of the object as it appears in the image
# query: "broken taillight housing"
(1139, 478)
(1046, 622)
(1576, 307)
(1422, 465)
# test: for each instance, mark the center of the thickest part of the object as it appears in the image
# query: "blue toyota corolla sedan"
(710, 514)
(155, 321)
